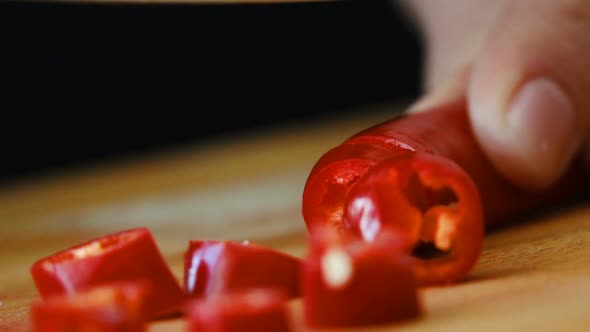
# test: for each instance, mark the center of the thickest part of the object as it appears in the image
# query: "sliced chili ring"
(260, 310)
(431, 203)
(114, 307)
(125, 256)
(216, 267)
(334, 175)
(349, 282)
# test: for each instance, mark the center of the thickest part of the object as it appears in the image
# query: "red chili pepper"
(434, 160)
(214, 267)
(349, 282)
(125, 256)
(114, 307)
(260, 310)
(429, 200)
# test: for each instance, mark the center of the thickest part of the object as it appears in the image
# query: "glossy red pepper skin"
(429, 200)
(116, 307)
(444, 133)
(348, 282)
(130, 255)
(260, 310)
(217, 267)
(334, 175)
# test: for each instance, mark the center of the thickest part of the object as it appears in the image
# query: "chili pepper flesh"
(217, 267)
(431, 202)
(130, 255)
(111, 307)
(256, 309)
(349, 282)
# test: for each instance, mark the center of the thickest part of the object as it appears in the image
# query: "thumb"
(529, 92)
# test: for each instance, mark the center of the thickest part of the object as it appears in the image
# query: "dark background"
(87, 83)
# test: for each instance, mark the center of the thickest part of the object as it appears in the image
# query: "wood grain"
(532, 277)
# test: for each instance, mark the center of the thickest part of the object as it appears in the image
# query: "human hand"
(524, 67)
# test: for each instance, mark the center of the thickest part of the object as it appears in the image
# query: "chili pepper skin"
(349, 282)
(214, 267)
(334, 175)
(260, 310)
(432, 202)
(115, 307)
(445, 134)
(125, 256)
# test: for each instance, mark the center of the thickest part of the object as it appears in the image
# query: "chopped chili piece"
(348, 282)
(214, 267)
(125, 256)
(260, 310)
(116, 307)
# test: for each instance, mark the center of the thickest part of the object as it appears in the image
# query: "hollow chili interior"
(431, 203)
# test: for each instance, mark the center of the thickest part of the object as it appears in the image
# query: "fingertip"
(528, 130)
(528, 92)
(540, 122)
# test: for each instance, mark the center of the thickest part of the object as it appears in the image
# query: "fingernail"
(541, 123)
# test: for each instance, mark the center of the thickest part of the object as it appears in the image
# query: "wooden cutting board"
(532, 277)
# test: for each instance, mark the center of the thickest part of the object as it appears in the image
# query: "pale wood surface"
(533, 277)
